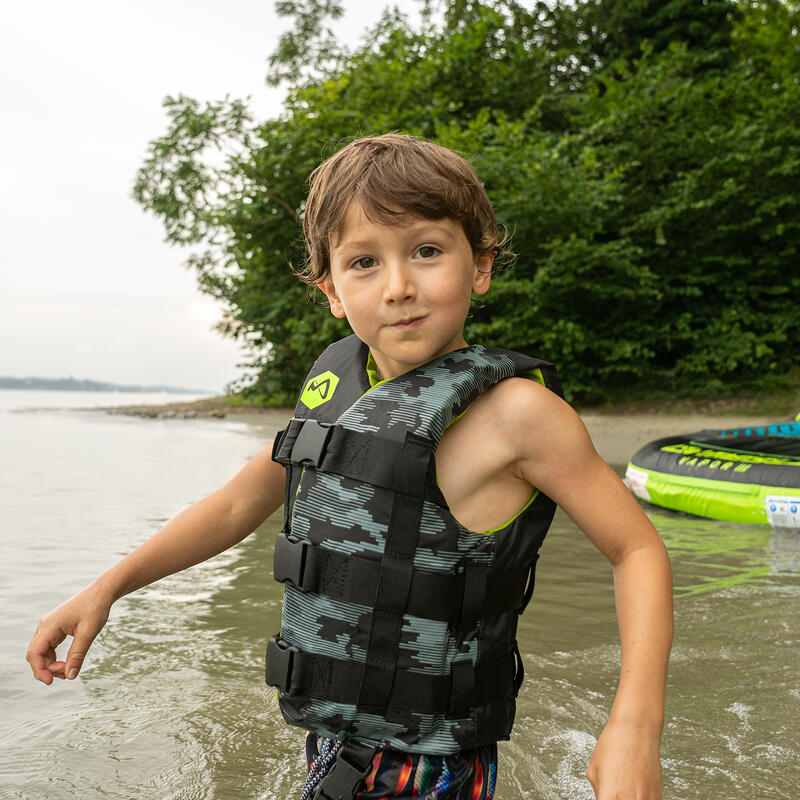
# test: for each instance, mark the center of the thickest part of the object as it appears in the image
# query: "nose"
(398, 283)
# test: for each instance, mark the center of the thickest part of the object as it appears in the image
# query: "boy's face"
(404, 288)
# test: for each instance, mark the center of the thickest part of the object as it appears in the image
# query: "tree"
(309, 49)
(710, 200)
(767, 38)
(617, 29)
(652, 193)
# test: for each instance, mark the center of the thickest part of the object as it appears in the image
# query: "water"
(172, 704)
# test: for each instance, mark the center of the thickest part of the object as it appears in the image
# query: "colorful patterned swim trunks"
(468, 775)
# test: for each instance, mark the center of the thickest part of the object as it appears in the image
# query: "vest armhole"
(535, 375)
(503, 525)
(516, 516)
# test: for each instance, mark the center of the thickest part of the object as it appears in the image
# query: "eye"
(365, 262)
(428, 251)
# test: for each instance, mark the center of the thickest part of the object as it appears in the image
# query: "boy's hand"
(81, 617)
(199, 532)
(625, 764)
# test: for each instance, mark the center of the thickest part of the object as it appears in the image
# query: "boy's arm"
(199, 532)
(556, 455)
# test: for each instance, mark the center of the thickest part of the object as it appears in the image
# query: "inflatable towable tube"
(736, 474)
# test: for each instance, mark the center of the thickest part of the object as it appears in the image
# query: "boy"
(404, 573)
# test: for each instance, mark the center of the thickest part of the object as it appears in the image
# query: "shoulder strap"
(336, 381)
(425, 400)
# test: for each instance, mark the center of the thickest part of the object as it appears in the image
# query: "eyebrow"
(415, 229)
(356, 245)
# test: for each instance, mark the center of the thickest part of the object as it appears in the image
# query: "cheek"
(461, 290)
(353, 302)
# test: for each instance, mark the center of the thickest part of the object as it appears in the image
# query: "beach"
(616, 436)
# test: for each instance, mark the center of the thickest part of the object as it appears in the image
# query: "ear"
(327, 287)
(482, 275)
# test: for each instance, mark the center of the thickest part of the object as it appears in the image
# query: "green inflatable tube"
(749, 475)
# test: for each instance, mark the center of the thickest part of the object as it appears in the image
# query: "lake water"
(172, 703)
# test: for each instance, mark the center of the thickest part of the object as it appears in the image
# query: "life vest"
(399, 623)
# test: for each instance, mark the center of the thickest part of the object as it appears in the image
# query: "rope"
(320, 766)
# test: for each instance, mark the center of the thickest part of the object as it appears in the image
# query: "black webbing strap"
(287, 490)
(474, 595)
(462, 690)
(361, 455)
(466, 686)
(395, 573)
(460, 599)
(343, 781)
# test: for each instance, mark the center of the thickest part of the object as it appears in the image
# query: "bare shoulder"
(550, 443)
(523, 407)
(518, 437)
(524, 422)
(550, 449)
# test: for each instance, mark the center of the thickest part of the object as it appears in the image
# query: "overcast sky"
(89, 288)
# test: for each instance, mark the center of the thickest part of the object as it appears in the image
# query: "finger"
(41, 653)
(40, 671)
(77, 654)
(42, 674)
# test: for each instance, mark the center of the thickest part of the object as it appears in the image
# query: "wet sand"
(214, 407)
(616, 436)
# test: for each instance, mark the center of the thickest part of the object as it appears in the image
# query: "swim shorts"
(468, 775)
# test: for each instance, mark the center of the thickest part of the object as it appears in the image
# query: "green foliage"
(176, 183)
(617, 29)
(649, 172)
(712, 204)
(767, 38)
(309, 48)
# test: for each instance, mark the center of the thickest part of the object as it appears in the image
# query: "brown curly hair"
(392, 176)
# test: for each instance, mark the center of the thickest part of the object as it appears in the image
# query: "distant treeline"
(82, 385)
(645, 155)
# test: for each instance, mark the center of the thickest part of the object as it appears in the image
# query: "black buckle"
(280, 664)
(309, 446)
(345, 778)
(276, 446)
(289, 561)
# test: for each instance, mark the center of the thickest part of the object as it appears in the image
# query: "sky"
(90, 289)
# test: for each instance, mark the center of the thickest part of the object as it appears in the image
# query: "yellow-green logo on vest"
(319, 390)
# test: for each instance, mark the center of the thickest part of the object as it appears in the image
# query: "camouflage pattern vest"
(398, 624)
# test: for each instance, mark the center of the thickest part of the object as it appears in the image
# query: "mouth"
(407, 324)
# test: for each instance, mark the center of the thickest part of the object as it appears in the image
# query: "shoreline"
(207, 407)
(616, 436)
(728, 409)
